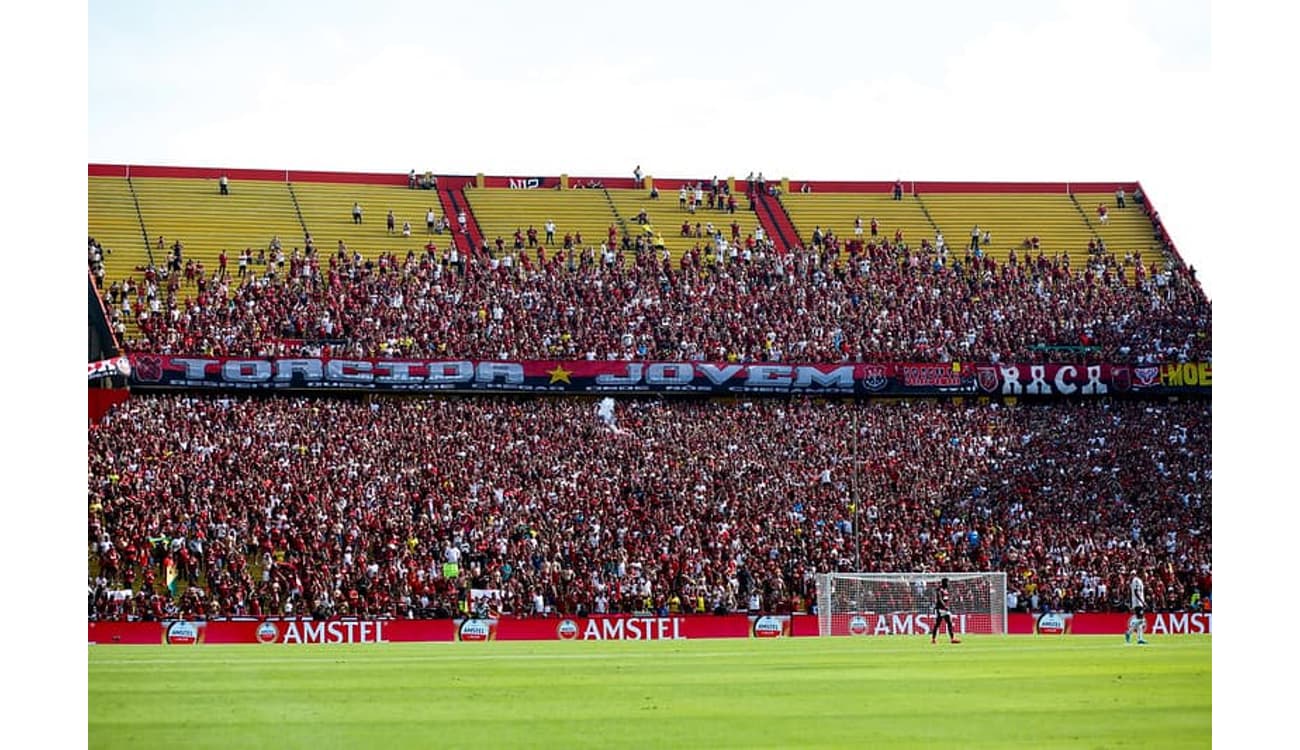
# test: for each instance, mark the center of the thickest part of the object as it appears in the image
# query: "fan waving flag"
(171, 577)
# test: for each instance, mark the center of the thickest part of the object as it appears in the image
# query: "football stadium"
(800, 423)
(618, 458)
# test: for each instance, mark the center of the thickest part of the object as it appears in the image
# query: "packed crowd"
(413, 507)
(723, 300)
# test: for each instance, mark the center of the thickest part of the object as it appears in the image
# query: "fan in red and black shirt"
(942, 613)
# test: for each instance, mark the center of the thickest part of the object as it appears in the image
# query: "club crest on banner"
(1147, 376)
(874, 377)
(1120, 378)
(148, 368)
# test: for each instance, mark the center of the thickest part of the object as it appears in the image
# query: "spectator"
(224, 183)
(356, 213)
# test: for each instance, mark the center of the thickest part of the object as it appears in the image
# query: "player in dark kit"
(941, 613)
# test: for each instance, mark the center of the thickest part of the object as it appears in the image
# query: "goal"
(903, 603)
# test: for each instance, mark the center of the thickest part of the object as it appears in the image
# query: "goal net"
(903, 603)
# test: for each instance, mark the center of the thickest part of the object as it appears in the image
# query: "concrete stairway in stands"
(776, 222)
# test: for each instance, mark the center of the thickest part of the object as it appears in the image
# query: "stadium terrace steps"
(472, 227)
(451, 209)
(206, 222)
(666, 217)
(1127, 230)
(327, 211)
(1012, 218)
(113, 221)
(776, 222)
(502, 211)
(836, 212)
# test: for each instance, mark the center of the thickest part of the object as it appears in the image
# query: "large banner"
(156, 371)
(107, 368)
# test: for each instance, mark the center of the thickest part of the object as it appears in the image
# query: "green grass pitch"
(995, 692)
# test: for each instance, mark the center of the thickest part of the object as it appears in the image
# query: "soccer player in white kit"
(1138, 600)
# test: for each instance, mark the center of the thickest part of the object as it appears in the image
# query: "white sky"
(1190, 101)
(947, 90)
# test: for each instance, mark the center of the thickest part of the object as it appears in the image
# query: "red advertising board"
(1162, 623)
(623, 628)
(614, 627)
(905, 623)
(272, 631)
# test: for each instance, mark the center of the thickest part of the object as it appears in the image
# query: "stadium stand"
(771, 307)
(672, 501)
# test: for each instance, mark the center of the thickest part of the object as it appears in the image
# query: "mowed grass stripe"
(1072, 692)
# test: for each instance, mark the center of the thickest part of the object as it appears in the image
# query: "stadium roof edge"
(394, 178)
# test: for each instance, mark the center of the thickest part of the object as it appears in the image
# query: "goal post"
(903, 603)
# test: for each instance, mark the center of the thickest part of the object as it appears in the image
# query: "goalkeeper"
(941, 612)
